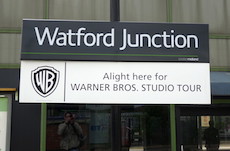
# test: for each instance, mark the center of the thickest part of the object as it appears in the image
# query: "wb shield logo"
(45, 80)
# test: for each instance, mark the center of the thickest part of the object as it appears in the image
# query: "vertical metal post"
(115, 110)
(43, 127)
(169, 11)
(173, 127)
(178, 128)
(114, 10)
(116, 127)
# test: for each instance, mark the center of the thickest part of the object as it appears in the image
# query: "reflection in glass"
(194, 129)
(145, 128)
(93, 119)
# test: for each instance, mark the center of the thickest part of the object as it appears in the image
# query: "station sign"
(114, 63)
(114, 41)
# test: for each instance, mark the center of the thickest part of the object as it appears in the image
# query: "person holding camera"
(71, 133)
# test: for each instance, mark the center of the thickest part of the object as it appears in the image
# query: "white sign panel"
(42, 82)
(3, 130)
(3, 124)
(115, 82)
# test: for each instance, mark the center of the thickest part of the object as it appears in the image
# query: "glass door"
(207, 129)
(145, 128)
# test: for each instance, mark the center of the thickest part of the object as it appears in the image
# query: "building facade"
(115, 127)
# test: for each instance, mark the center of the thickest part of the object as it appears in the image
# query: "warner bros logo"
(45, 80)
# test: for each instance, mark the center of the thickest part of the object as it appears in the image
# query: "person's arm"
(61, 128)
(77, 129)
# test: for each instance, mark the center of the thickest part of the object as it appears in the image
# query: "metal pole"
(115, 109)
(173, 127)
(114, 10)
(116, 127)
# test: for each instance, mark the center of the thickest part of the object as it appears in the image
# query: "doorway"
(193, 126)
(145, 128)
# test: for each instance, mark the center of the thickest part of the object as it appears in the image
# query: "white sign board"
(3, 124)
(3, 130)
(114, 82)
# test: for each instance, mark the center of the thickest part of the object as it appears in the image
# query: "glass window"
(203, 132)
(94, 121)
(213, 12)
(145, 128)
(142, 127)
(79, 9)
(143, 10)
(204, 127)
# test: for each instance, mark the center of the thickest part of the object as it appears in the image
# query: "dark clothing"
(212, 140)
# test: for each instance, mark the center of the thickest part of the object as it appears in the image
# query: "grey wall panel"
(143, 10)
(79, 9)
(13, 11)
(220, 52)
(10, 48)
(216, 13)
